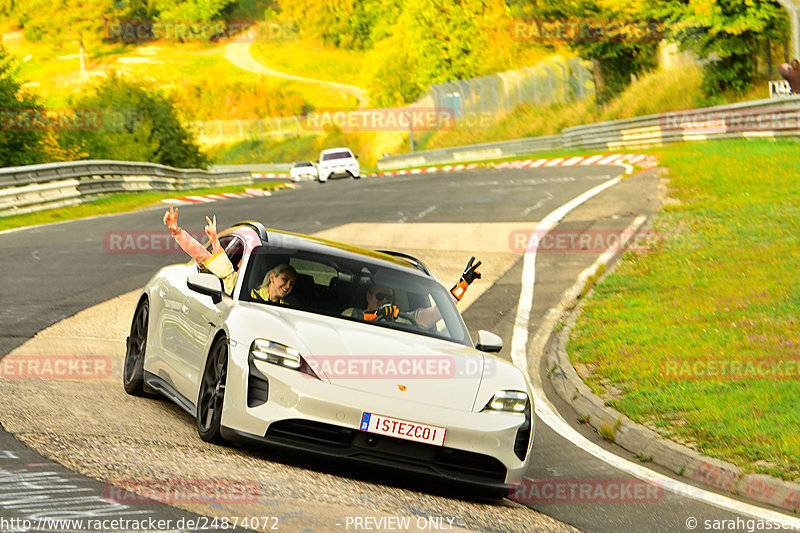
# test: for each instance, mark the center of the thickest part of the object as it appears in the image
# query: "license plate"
(402, 429)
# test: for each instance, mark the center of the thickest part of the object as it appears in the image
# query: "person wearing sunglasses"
(380, 301)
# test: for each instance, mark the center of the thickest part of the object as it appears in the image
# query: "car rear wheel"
(133, 371)
(212, 393)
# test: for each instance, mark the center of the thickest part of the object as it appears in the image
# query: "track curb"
(636, 438)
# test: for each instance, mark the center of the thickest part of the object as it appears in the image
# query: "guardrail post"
(505, 89)
(550, 84)
(566, 87)
(241, 131)
(579, 68)
(278, 122)
(465, 92)
(534, 96)
(221, 136)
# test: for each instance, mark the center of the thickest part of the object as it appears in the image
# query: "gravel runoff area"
(93, 427)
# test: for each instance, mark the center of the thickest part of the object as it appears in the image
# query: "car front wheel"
(212, 393)
(133, 371)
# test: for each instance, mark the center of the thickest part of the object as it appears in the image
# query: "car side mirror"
(207, 284)
(489, 342)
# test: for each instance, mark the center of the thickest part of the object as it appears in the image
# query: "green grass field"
(721, 286)
(308, 60)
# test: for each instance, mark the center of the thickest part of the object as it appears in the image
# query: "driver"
(380, 301)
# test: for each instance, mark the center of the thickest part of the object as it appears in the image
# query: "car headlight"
(281, 355)
(275, 353)
(507, 400)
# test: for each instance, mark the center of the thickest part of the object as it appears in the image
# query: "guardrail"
(760, 118)
(35, 187)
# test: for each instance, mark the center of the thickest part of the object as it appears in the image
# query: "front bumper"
(301, 412)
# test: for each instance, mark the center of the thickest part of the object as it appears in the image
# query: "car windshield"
(338, 286)
(337, 155)
(304, 164)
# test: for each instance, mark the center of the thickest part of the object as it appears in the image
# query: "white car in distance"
(337, 163)
(303, 169)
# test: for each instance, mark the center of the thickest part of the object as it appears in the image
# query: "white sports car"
(309, 373)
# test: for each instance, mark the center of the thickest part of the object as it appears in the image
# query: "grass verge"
(718, 289)
(114, 203)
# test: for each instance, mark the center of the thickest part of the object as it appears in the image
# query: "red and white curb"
(426, 170)
(642, 160)
(206, 198)
(270, 175)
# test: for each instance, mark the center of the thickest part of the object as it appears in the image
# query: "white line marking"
(548, 414)
(427, 211)
(538, 204)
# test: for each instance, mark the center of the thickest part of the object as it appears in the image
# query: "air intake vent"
(523, 435)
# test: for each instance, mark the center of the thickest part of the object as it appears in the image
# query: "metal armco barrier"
(35, 187)
(760, 118)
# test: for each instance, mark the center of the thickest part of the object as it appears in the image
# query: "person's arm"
(184, 240)
(428, 316)
(469, 275)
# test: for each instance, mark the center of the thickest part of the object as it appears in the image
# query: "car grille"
(390, 451)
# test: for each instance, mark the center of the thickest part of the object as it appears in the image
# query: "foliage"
(64, 21)
(435, 41)
(343, 23)
(615, 58)
(726, 33)
(139, 124)
(218, 99)
(17, 147)
(190, 10)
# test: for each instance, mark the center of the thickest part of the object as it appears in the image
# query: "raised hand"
(211, 231)
(469, 275)
(171, 220)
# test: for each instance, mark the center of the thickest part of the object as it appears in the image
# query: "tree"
(616, 35)
(138, 124)
(726, 33)
(81, 22)
(190, 10)
(435, 41)
(18, 145)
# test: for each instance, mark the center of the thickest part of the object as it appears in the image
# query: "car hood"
(388, 362)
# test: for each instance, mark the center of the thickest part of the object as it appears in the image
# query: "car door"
(167, 313)
(203, 318)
